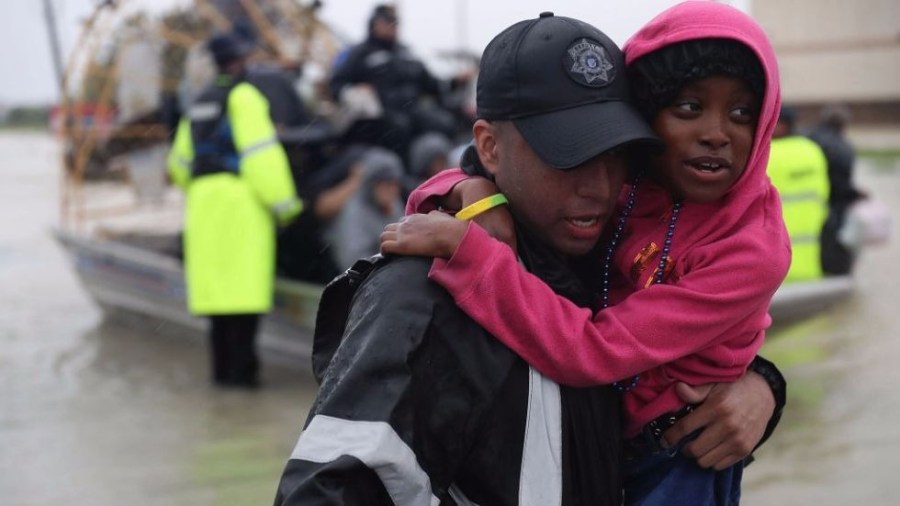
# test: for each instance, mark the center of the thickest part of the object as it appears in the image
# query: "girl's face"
(708, 132)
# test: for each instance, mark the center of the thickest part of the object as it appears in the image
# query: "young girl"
(692, 261)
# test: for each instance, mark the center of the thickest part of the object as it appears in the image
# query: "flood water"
(98, 413)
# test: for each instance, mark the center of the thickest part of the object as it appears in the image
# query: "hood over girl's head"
(698, 39)
(657, 77)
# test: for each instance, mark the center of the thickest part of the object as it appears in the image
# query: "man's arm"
(351, 450)
(736, 418)
(342, 481)
(181, 155)
(348, 71)
(402, 401)
(264, 163)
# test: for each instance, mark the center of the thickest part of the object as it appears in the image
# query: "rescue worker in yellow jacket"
(239, 189)
(799, 170)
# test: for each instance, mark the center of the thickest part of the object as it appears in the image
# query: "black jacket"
(841, 157)
(837, 259)
(398, 77)
(419, 405)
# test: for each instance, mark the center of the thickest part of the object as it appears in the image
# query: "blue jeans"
(661, 477)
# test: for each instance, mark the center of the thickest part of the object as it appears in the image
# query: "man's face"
(566, 209)
(385, 28)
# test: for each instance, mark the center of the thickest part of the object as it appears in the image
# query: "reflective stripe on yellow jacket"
(799, 170)
(230, 219)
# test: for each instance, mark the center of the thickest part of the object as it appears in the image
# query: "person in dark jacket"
(418, 404)
(837, 259)
(400, 80)
(276, 81)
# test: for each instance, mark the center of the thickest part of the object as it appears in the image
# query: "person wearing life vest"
(239, 189)
(799, 170)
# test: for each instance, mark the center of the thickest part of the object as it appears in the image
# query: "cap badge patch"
(591, 64)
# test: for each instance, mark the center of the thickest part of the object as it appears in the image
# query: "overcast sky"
(427, 26)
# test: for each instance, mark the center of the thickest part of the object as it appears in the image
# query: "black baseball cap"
(562, 82)
(228, 47)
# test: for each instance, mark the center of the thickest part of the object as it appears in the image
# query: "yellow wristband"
(473, 210)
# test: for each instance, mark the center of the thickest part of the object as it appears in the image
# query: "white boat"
(130, 280)
(131, 60)
(794, 301)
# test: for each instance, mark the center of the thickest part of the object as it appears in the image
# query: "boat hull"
(796, 301)
(121, 277)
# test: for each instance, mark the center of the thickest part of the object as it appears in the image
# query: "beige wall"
(835, 50)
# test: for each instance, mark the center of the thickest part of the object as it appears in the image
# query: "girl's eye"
(743, 114)
(688, 106)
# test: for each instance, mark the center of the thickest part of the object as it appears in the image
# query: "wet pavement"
(95, 412)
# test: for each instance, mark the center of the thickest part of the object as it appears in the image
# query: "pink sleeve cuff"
(471, 260)
(423, 198)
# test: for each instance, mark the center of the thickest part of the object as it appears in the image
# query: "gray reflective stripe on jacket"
(286, 206)
(805, 196)
(182, 160)
(257, 146)
(804, 239)
(376, 445)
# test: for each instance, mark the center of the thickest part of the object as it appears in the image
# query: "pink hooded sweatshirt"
(705, 323)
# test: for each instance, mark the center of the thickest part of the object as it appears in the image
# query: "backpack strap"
(334, 308)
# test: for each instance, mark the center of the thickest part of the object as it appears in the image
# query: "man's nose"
(596, 178)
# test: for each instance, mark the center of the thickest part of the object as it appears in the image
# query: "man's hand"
(733, 417)
(431, 235)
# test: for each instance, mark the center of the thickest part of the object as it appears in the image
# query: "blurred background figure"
(235, 173)
(428, 155)
(413, 100)
(304, 252)
(829, 134)
(356, 230)
(797, 167)
(277, 81)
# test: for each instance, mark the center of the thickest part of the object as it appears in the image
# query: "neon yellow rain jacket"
(799, 170)
(231, 217)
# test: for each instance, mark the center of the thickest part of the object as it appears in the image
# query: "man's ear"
(486, 144)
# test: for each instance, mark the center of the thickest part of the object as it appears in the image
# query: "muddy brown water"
(94, 412)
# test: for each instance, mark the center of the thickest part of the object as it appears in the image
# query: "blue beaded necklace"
(610, 250)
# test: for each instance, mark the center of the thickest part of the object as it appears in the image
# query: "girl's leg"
(668, 478)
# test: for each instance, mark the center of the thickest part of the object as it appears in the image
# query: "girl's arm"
(651, 327)
(451, 190)
(428, 196)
